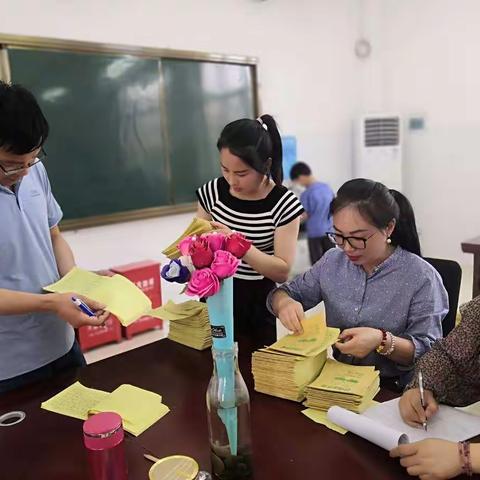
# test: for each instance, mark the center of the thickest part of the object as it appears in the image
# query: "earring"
(389, 240)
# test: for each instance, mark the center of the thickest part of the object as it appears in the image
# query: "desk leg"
(476, 274)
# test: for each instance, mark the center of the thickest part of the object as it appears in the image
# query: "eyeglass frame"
(332, 235)
(42, 155)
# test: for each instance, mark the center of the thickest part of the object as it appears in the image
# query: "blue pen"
(83, 307)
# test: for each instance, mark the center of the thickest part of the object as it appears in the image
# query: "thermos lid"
(175, 467)
(103, 430)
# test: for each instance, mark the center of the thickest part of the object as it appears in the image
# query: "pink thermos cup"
(103, 438)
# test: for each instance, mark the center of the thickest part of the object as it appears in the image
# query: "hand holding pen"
(76, 309)
(414, 412)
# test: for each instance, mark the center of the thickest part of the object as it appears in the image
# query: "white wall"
(305, 70)
(424, 61)
(425, 57)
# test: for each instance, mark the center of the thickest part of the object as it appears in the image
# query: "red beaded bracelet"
(464, 452)
(381, 347)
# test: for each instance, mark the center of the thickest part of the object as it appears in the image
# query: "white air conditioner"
(378, 149)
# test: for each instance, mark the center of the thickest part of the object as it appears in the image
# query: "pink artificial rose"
(224, 264)
(203, 283)
(237, 244)
(215, 240)
(184, 245)
(200, 253)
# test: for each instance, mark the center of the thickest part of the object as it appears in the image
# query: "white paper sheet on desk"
(383, 425)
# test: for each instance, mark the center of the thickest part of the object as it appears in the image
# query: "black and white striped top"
(256, 219)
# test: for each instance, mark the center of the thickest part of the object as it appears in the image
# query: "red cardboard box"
(146, 275)
(90, 337)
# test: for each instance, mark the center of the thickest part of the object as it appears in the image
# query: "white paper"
(448, 424)
(367, 428)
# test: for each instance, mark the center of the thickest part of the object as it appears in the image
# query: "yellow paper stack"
(286, 367)
(349, 386)
(196, 227)
(189, 323)
(138, 408)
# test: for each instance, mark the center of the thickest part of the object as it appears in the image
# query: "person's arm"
(19, 303)
(63, 252)
(449, 369)
(434, 458)
(277, 266)
(428, 307)
(202, 213)
(289, 301)
(361, 341)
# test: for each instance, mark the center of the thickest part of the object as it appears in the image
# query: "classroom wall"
(306, 67)
(423, 63)
(426, 64)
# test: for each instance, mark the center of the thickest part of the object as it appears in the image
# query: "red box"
(146, 275)
(90, 337)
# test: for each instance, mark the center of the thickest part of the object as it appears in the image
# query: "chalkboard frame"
(63, 45)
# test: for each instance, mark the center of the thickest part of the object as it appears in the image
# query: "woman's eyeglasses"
(359, 243)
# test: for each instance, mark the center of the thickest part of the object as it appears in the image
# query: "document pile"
(349, 386)
(189, 324)
(286, 367)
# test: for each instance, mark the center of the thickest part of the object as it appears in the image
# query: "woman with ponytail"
(250, 199)
(388, 302)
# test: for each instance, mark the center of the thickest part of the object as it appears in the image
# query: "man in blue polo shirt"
(36, 330)
(316, 201)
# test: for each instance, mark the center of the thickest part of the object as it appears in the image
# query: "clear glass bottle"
(228, 408)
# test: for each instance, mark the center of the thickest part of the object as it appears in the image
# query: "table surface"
(471, 246)
(286, 444)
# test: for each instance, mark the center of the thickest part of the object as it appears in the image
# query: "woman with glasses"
(388, 302)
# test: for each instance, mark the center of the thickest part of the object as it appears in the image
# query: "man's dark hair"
(23, 128)
(298, 169)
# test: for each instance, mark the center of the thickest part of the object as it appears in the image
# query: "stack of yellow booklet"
(349, 386)
(138, 408)
(189, 323)
(287, 366)
(196, 227)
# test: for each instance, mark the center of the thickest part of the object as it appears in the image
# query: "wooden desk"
(473, 246)
(286, 444)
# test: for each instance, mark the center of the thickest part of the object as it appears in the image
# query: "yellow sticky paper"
(75, 401)
(319, 416)
(196, 227)
(341, 377)
(315, 338)
(121, 296)
(314, 332)
(138, 408)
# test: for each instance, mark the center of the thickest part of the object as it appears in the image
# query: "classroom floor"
(300, 265)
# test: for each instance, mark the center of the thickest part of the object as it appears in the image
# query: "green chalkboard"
(130, 133)
(201, 98)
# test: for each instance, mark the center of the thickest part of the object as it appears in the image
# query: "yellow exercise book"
(189, 323)
(286, 367)
(196, 227)
(349, 386)
(138, 408)
(316, 338)
(121, 296)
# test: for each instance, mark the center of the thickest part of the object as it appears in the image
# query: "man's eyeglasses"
(358, 243)
(41, 156)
